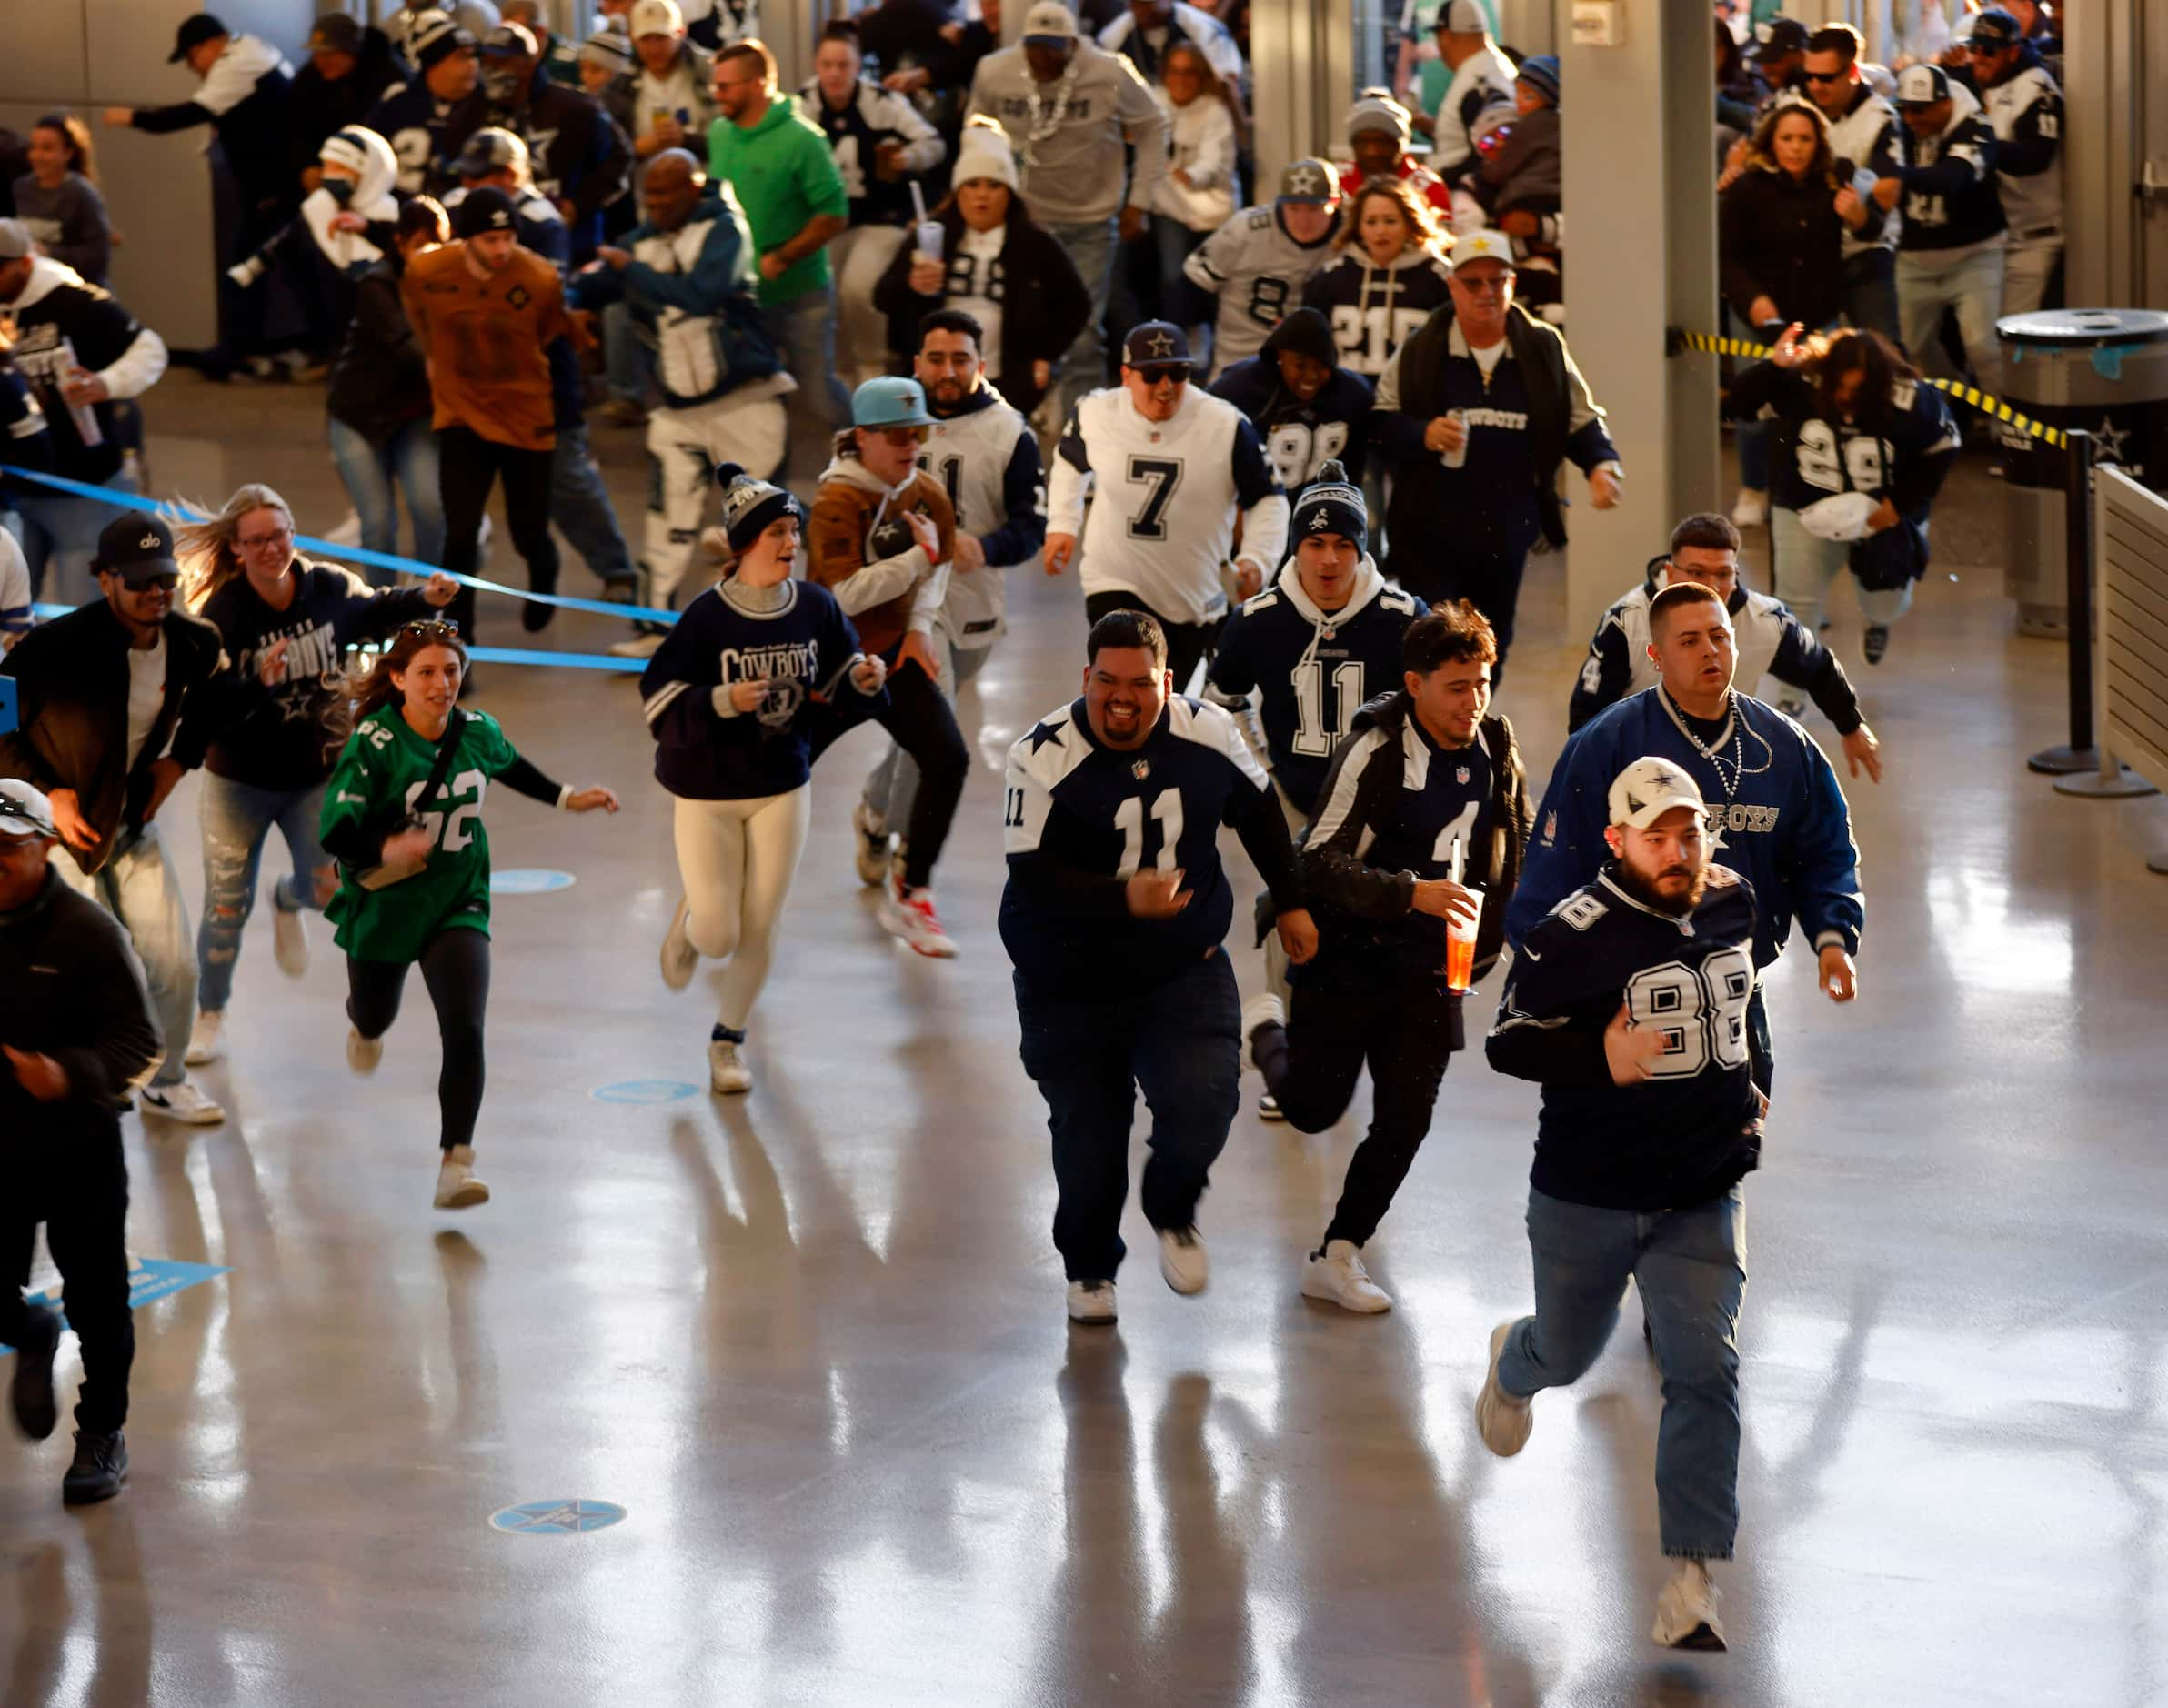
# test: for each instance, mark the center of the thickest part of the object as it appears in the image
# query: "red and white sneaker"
(909, 914)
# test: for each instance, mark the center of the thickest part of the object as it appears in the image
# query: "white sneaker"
(1337, 1276)
(1752, 510)
(1183, 1259)
(873, 843)
(205, 1044)
(1091, 1301)
(680, 959)
(181, 1102)
(1686, 1609)
(459, 1187)
(725, 1073)
(1262, 1010)
(636, 647)
(908, 914)
(363, 1054)
(289, 940)
(1503, 1420)
(1268, 1107)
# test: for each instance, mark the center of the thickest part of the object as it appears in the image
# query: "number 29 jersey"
(381, 772)
(1080, 820)
(1687, 1133)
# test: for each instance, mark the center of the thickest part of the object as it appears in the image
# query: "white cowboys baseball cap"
(1482, 245)
(23, 810)
(1049, 21)
(1650, 788)
(1462, 17)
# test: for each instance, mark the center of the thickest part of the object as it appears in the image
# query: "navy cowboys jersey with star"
(1690, 1131)
(1073, 804)
(1311, 669)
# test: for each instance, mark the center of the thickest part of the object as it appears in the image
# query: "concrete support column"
(2102, 48)
(1640, 254)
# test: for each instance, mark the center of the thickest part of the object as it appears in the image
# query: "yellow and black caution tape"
(1972, 394)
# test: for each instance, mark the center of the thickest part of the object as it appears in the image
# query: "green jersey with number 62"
(380, 775)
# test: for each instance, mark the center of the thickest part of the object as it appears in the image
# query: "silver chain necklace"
(1041, 126)
(1729, 784)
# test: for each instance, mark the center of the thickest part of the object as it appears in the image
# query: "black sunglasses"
(1827, 77)
(432, 633)
(1177, 372)
(138, 583)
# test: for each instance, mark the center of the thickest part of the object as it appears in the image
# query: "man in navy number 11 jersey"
(1114, 913)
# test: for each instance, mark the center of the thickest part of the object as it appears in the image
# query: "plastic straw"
(1456, 865)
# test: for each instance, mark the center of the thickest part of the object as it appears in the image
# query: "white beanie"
(984, 151)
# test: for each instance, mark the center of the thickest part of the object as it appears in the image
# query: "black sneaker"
(33, 1388)
(100, 1467)
(1875, 642)
(535, 617)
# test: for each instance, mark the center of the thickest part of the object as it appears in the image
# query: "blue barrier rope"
(482, 655)
(345, 554)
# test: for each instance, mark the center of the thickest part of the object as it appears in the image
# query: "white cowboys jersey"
(970, 455)
(2028, 109)
(1867, 136)
(1165, 497)
(1757, 628)
(1257, 272)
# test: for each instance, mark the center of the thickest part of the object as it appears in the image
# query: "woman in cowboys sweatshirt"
(286, 624)
(1387, 278)
(727, 697)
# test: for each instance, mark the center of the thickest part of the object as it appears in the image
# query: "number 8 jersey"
(383, 769)
(1687, 1133)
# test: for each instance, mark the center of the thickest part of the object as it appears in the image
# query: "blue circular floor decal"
(556, 1518)
(645, 1091)
(529, 883)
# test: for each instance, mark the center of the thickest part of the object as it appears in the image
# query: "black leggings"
(455, 969)
(467, 466)
(919, 716)
(1186, 642)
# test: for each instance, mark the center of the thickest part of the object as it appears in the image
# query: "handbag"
(383, 875)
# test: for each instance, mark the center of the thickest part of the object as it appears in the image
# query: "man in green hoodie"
(779, 162)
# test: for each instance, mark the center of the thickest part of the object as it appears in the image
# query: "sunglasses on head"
(1175, 372)
(433, 633)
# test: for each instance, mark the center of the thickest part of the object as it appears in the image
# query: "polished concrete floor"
(812, 1341)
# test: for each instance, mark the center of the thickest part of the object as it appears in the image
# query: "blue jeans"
(804, 331)
(138, 887)
(579, 505)
(237, 819)
(59, 537)
(624, 357)
(367, 472)
(1088, 1054)
(1091, 246)
(1690, 1267)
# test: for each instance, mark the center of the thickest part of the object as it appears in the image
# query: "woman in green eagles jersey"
(376, 823)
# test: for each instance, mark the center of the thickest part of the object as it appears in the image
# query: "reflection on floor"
(813, 1340)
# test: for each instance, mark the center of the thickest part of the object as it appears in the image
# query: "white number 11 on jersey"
(1128, 818)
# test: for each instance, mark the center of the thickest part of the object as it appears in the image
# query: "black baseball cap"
(136, 549)
(487, 209)
(195, 31)
(510, 41)
(1779, 36)
(1157, 343)
(1995, 29)
(336, 33)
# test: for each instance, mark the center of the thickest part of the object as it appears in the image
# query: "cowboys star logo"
(1303, 181)
(517, 297)
(1161, 345)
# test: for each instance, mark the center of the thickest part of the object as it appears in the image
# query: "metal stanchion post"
(2078, 756)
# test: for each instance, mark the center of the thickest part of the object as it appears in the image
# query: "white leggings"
(738, 859)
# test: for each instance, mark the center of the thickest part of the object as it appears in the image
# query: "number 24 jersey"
(1689, 1131)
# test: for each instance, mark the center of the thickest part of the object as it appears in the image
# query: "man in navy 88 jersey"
(1113, 916)
(1628, 1004)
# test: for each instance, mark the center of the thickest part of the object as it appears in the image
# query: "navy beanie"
(751, 504)
(1331, 504)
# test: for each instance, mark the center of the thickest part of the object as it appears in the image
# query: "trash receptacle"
(2102, 369)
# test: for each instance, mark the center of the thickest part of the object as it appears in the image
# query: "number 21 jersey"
(380, 775)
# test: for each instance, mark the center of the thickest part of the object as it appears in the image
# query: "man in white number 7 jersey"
(1628, 1004)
